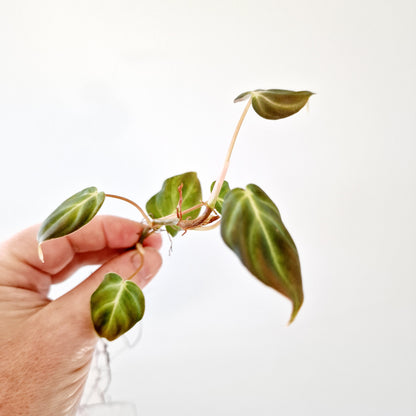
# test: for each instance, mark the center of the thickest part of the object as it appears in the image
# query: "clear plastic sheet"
(96, 399)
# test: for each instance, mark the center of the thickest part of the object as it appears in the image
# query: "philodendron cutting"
(250, 223)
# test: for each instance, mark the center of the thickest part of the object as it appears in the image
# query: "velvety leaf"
(252, 227)
(165, 202)
(276, 104)
(225, 188)
(72, 214)
(116, 306)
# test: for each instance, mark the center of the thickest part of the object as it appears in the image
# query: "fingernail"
(148, 276)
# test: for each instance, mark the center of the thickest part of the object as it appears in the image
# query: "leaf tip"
(40, 253)
(295, 310)
(242, 97)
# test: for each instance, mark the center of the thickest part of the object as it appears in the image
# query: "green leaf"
(116, 306)
(276, 104)
(72, 214)
(225, 188)
(252, 227)
(165, 202)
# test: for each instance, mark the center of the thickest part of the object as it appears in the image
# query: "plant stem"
(148, 220)
(191, 224)
(172, 217)
(218, 184)
(208, 227)
(140, 250)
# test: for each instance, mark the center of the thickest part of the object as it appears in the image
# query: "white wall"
(123, 94)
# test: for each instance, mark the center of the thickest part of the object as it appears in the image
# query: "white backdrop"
(122, 95)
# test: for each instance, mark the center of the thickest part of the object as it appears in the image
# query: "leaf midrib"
(256, 211)
(53, 227)
(115, 301)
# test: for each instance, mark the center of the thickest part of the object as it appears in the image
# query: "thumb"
(74, 306)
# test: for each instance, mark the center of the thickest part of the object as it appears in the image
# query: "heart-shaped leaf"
(166, 201)
(225, 188)
(252, 227)
(116, 306)
(276, 104)
(72, 214)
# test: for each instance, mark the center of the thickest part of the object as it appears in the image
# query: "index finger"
(104, 233)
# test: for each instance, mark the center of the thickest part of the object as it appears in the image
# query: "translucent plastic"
(108, 409)
(96, 399)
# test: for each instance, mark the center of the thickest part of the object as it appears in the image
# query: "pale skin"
(46, 346)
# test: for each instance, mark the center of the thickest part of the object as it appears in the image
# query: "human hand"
(46, 346)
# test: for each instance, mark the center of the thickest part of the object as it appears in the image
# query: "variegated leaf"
(252, 227)
(275, 104)
(165, 202)
(72, 214)
(116, 306)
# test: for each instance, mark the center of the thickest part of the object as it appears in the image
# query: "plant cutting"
(250, 224)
